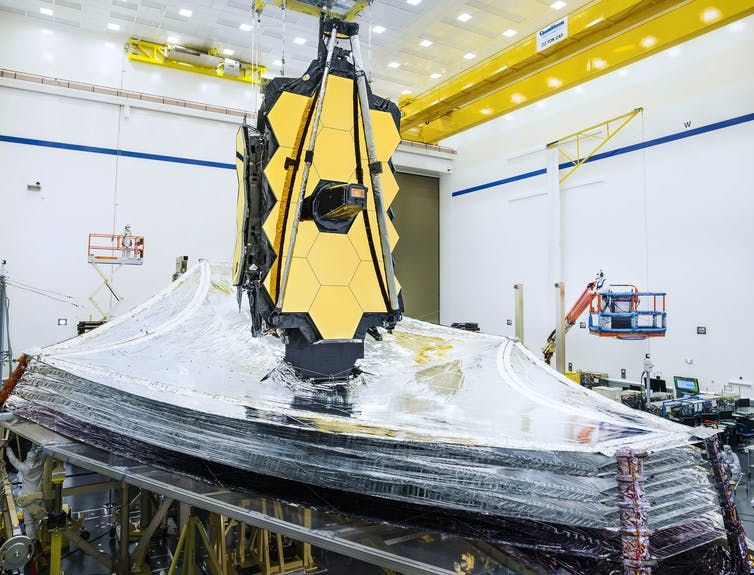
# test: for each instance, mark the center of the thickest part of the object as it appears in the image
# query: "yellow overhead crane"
(346, 10)
(209, 63)
(601, 37)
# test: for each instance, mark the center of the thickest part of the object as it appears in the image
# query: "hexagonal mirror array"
(333, 277)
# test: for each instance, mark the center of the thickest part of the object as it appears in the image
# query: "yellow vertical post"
(56, 547)
(56, 519)
(307, 548)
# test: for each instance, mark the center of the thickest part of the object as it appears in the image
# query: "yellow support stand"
(270, 553)
(56, 547)
(56, 520)
(187, 547)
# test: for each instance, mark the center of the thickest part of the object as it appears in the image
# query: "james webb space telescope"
(315, 183)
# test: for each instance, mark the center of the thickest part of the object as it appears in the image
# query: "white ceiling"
(215, 23)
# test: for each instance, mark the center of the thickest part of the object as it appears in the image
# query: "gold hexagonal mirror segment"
(333, 259)
(288, 117)
(335, 312)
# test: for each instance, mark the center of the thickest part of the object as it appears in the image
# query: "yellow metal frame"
(153, 53)
(603, 36)
(578, 138)
(254, 551)
(305, 8)
(187, 547)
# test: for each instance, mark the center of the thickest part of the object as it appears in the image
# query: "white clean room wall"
(674, 216)
(181, 209)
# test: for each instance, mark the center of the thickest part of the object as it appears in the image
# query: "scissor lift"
(109, 249)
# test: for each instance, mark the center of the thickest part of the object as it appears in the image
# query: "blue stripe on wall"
(617, 152)
(504, 181)
(114, 152)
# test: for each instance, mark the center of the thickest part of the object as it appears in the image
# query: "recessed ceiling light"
(173, 40)
(648, 41)
(299, 40)
(710, 15)
(46, 11)
(228, 52)
(185, 12)
(435, 75)
(509, 33)
(277, 63)
(469, 56)
(394, 65)
(413, 2)
(558, 5)
(463, 17)
(554, 82)
(245, 27)
(378, 29)
(426, 43)
(517, 98)
(114, 27)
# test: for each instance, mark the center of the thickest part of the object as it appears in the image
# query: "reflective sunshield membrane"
(464, 422)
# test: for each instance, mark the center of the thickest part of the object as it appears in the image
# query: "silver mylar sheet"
(440, 417)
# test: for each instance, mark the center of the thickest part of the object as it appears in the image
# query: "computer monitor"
(657, 385)
(686, 385)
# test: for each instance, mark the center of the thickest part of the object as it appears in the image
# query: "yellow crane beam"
(347, 10)
(158, 55)
(603, 36)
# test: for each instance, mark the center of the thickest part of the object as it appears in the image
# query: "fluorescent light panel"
(426, 43)
(413, 2)
(378, 29)
(245, 27)
(46, 11)
(228, 52)
(185, 12)
(558, 5)
(509, 33)
(299, 40)
(464, 17)
(112, 26)
(394, 65)
(469, 56)
(435, 75)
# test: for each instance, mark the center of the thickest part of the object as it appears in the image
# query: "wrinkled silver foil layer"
(439, 417)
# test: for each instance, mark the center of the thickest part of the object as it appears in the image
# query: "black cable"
(25, 285)
(15, 285)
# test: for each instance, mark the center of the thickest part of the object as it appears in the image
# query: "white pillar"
(553, 194)
(555, 254)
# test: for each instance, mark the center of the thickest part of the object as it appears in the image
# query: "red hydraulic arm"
(585, 299)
